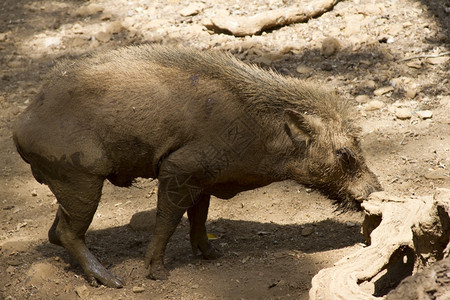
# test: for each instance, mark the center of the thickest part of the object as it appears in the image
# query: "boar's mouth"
(348, 199)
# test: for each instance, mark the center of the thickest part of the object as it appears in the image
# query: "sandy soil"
(391, 61)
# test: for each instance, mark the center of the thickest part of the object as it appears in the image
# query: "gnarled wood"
(249, 25)
(412, 233)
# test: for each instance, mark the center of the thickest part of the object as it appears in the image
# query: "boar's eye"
(346, 156)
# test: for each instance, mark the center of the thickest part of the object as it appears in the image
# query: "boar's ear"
(301, 127)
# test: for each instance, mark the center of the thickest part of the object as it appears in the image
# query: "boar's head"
(328, 157)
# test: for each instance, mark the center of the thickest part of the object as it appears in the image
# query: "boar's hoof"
(212, 253)
(106, 278)
(158, 272)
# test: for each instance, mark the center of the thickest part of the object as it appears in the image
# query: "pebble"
(374, 105)
(115, 27)
(370, 84)
(138, 289)
(307, 231)
(411, 93)
(87, 10)
(383, 90)
(403, 113)
(103, 36)
(424, 114)
(362, 98)
(303, 70)
(192, 9)
(3, 37)
(437, 174)
(330, 46)
(437, 60)
(143, 221)
(416, 64)
(34, 193)
(350, 224)
(82, 292)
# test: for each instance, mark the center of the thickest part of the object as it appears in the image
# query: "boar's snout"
(360, 189)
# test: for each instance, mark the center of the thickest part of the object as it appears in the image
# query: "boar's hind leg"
(198, 214)
(78, 200)
(176, 193)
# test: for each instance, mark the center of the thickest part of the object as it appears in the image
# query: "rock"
(362, 98)
(374, 105)
(330, 46)
(138, 289)
(192, 9)
(383, 90)
(88, 10)
(77, 28)
(307, 231)
(82, 292)
(40, 274)
(403, 113)
(143, 221)
(437, 174)
(3, 36)
(370, 84)
(34, 193)
(416, 64)
(437, 60)
(411, 93)
(103, 36)
(353, 26)
(424, 114)
(115, 27)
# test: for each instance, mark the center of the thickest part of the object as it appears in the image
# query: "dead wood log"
(405, 235)
(249, 25)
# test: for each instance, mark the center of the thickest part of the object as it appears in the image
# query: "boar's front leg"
(198, 214)
(78, 199)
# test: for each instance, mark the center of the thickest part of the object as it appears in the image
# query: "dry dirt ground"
(391, 61)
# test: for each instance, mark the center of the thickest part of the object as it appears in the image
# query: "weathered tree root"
(244, 25)
(405, 236)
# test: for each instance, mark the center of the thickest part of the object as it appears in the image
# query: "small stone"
(362, 98)
(138, 289)
(437, 60)
(115, 27)
(3, 37)
(383, 90)
(330, 46)
(82, 292)
(370, 84)
(14, 262)
(192, 9)
(143, 221)
(403, 113)
(437, 174)
(103, 36)
(10, 270)
(34, 193)
(424, 114)
(414, 64)
(374, 105)
(87, 10)
(303, 70)
(307, 231)
(195, 286)
(350, 224)
(411, 93)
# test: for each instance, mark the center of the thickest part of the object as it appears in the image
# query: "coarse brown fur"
(203, 123)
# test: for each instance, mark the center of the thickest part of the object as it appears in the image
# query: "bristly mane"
(266, 88)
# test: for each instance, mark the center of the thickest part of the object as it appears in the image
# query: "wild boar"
(203, 123)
